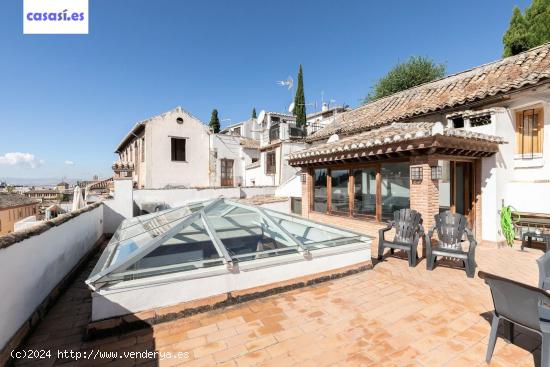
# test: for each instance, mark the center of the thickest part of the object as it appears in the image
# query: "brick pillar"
(306, 192)
(424, 195)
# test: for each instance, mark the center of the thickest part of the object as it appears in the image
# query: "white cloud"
(69, 163)
(21, 159)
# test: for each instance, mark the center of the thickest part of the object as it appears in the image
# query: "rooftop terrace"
(392, 315)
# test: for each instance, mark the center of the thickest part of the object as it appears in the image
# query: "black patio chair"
(519, 304)
(451, 228)
(408, 230)
(544, 271)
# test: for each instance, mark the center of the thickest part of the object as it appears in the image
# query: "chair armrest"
(472, 240)
(421, 230)
(543, 263)
(381, 231)
(431, 231)
(428, 239)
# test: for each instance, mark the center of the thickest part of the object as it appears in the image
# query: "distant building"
(62, 186)
(14, 207)
(175, 149)
(43, 194)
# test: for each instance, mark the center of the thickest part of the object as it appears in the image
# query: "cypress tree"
(254, 113)
(300, 101)
(214, 121)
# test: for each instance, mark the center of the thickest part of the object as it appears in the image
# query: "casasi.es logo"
(55, 16)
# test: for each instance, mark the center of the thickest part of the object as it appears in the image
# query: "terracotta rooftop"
(485, 81)
(394, 133)
(250, 143)
(8, 200)
(392, 315)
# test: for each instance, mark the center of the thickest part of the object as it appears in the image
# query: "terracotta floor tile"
(392, 315)
(252, 358)
(209, 348)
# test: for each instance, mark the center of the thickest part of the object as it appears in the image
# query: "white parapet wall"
(120, 207)
(146, 198)
(178, 288)
(34, 266)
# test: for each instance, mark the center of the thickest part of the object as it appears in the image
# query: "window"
(364, 191)
(178, 149)
(320, 190)
(339, 202)
(395, 188)
(296, 205)
(270, 164)
(143, 150)
(237, 131)
(254, 160)
(458, 122)
(529, 132)
(480, 120)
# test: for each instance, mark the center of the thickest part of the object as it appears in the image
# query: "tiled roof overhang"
(489, 82)
(397, 141)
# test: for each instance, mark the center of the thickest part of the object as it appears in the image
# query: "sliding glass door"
(339, 191)
(320, 190)
(364, 191)
(395, 188)
(376, 190)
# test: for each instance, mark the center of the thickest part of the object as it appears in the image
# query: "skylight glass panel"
(246, 233)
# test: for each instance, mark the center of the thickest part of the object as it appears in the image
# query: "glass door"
(364, 193)
(339, 191)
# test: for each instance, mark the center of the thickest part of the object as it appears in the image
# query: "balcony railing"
(275, 132)
(296, 132)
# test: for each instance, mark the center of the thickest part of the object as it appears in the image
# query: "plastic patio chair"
(408, 230)
(451, 228)
(519, 304)
(544, 271)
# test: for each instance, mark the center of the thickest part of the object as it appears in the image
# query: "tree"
(254, 113)
(515, 39)
(300, 101)
(214, 121)
(529, 30)
(415, 71)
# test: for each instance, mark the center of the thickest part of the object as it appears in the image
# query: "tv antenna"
(289, 83)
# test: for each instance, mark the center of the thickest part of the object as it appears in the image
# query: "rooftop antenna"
(289, 83)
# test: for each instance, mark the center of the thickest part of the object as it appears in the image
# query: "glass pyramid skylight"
(214, 234)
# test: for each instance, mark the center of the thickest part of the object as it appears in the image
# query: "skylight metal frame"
(156, 242)
(271, 218)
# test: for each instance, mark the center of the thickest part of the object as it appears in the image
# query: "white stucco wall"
(228, 147)
(33, 267)
(120, 207)
(178, 197)
(290, 188)
(507, 179)
(161, 170)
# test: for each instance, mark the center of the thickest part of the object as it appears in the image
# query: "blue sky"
(71, 98)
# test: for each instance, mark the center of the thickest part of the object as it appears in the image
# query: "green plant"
(507, 223)
(415, 71)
